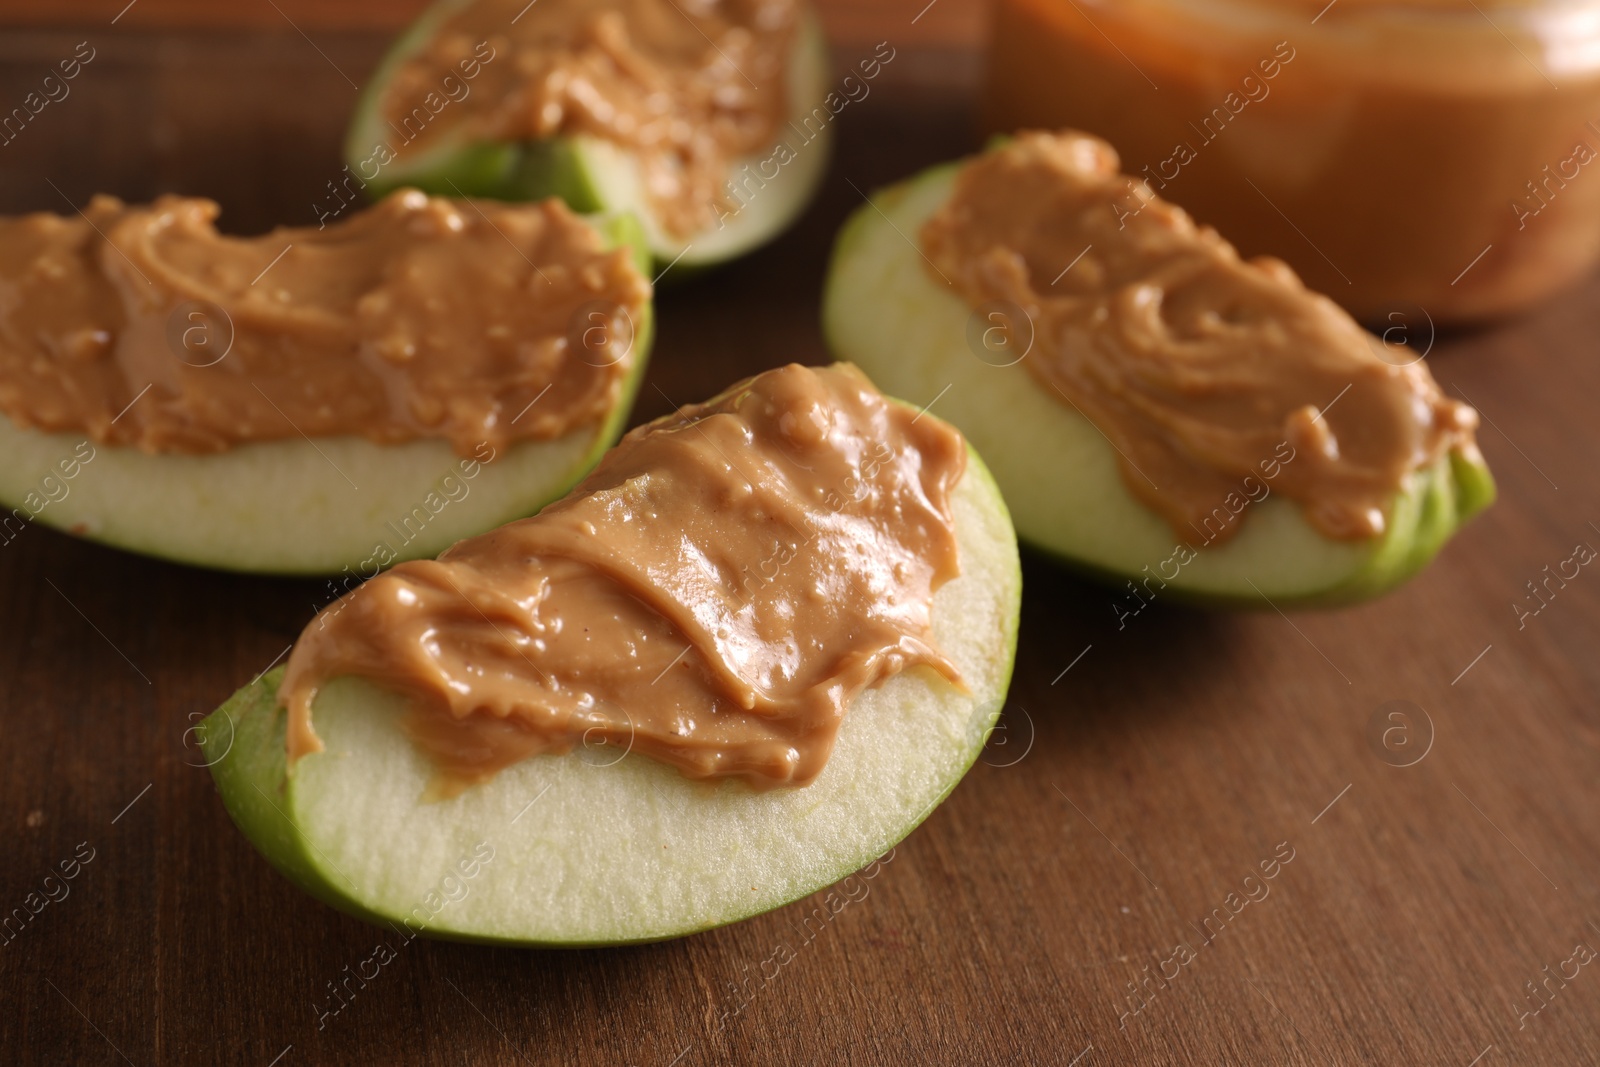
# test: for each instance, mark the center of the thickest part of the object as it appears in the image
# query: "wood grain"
(939, 22)
(1143, 775)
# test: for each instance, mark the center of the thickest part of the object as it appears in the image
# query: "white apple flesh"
(298, 506)
(600, 846)
(770, 188)
(884, 312)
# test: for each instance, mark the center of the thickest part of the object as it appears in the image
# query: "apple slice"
(302, 506)
(883, 312)
(594, 174)
(601, 847)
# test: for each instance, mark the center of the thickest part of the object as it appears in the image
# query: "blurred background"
(945, 22)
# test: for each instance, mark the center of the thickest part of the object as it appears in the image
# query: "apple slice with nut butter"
(310, 399)
(706, 123)
(744, 658)
(1156, 410)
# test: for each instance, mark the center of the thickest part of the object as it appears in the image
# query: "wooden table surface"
(1425, 882)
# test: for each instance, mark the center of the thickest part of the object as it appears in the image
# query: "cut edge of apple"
(595, 847)
(298, 507)
(883, 312)
(593, 174)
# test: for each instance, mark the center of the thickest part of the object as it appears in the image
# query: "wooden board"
(1143, 775)
(924, 22)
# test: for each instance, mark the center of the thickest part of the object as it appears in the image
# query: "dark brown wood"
(939, 22)
(1145, 773)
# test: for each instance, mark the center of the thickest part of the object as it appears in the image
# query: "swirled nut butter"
(1419, 161)
(714, 595)
(688, 87)
(418, 318)
(1201, 368)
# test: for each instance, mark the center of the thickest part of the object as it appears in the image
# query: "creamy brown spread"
(713, 596)
(688, 87)
(1197, 365)
(419, 317)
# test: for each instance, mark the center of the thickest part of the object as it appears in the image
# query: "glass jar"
(1410, 158)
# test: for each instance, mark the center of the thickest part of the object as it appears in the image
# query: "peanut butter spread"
(688, 87)
(713, 596)
(1199, 367)
(419, 317)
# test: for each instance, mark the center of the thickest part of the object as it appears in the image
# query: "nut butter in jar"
(1436, 158)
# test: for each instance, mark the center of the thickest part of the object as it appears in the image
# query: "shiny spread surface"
(1200, 367)
(687, 86)
(1389, 142)
(714, 596)
(420, 317)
